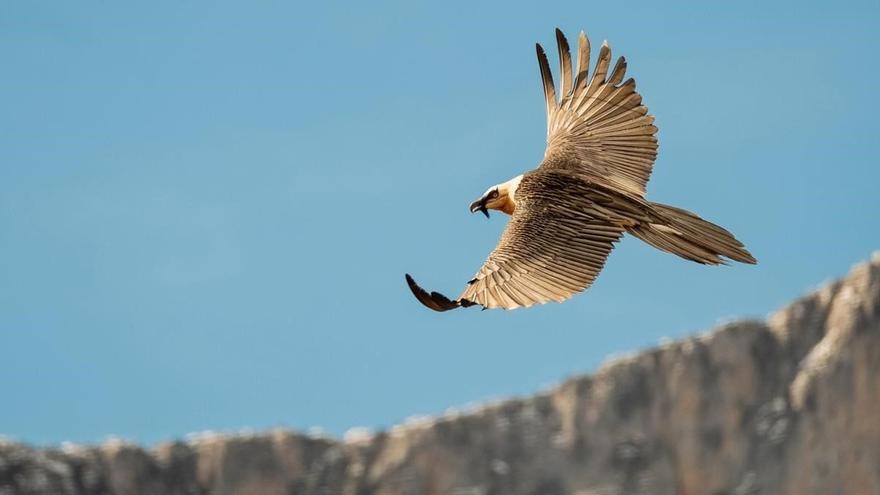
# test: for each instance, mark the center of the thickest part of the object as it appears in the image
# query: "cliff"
(790, 405)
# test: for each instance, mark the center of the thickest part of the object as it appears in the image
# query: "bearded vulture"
(567, 214)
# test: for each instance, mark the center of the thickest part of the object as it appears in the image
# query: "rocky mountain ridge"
(790, 405)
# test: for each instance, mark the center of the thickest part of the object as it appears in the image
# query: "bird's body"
(567, 214)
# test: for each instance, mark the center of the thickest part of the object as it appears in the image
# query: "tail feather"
(680, 232)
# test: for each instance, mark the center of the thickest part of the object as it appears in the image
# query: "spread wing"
(543, 256)
(549, 251)
(597, 128)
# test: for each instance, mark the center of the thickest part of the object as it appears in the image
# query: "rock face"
(786, 406)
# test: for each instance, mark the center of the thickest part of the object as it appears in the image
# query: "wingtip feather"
(565, 75)
(433, 300)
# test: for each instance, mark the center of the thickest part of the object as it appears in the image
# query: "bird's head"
(500, 197)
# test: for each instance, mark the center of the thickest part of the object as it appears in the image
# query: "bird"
(567, 214)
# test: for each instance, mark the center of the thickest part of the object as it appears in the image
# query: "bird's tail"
(681, 232)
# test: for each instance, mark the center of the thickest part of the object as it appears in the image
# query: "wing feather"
(599, 127)
(580, 81)
(564, 64)
(547, 80)
(618, 71)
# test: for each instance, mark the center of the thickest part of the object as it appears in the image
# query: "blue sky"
(206, 210)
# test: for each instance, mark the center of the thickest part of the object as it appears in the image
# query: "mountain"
(790, 405)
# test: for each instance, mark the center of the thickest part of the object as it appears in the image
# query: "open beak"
(480, 205)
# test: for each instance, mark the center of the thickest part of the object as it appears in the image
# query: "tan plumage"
(568, 213)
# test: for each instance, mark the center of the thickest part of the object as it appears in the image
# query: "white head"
(501, 197)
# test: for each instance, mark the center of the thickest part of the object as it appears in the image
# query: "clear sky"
(206, 209)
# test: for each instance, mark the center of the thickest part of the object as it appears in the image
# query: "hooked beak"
(480, 205)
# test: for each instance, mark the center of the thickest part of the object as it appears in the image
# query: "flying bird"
(567, 214)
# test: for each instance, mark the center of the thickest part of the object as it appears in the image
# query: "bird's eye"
(493, 194)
